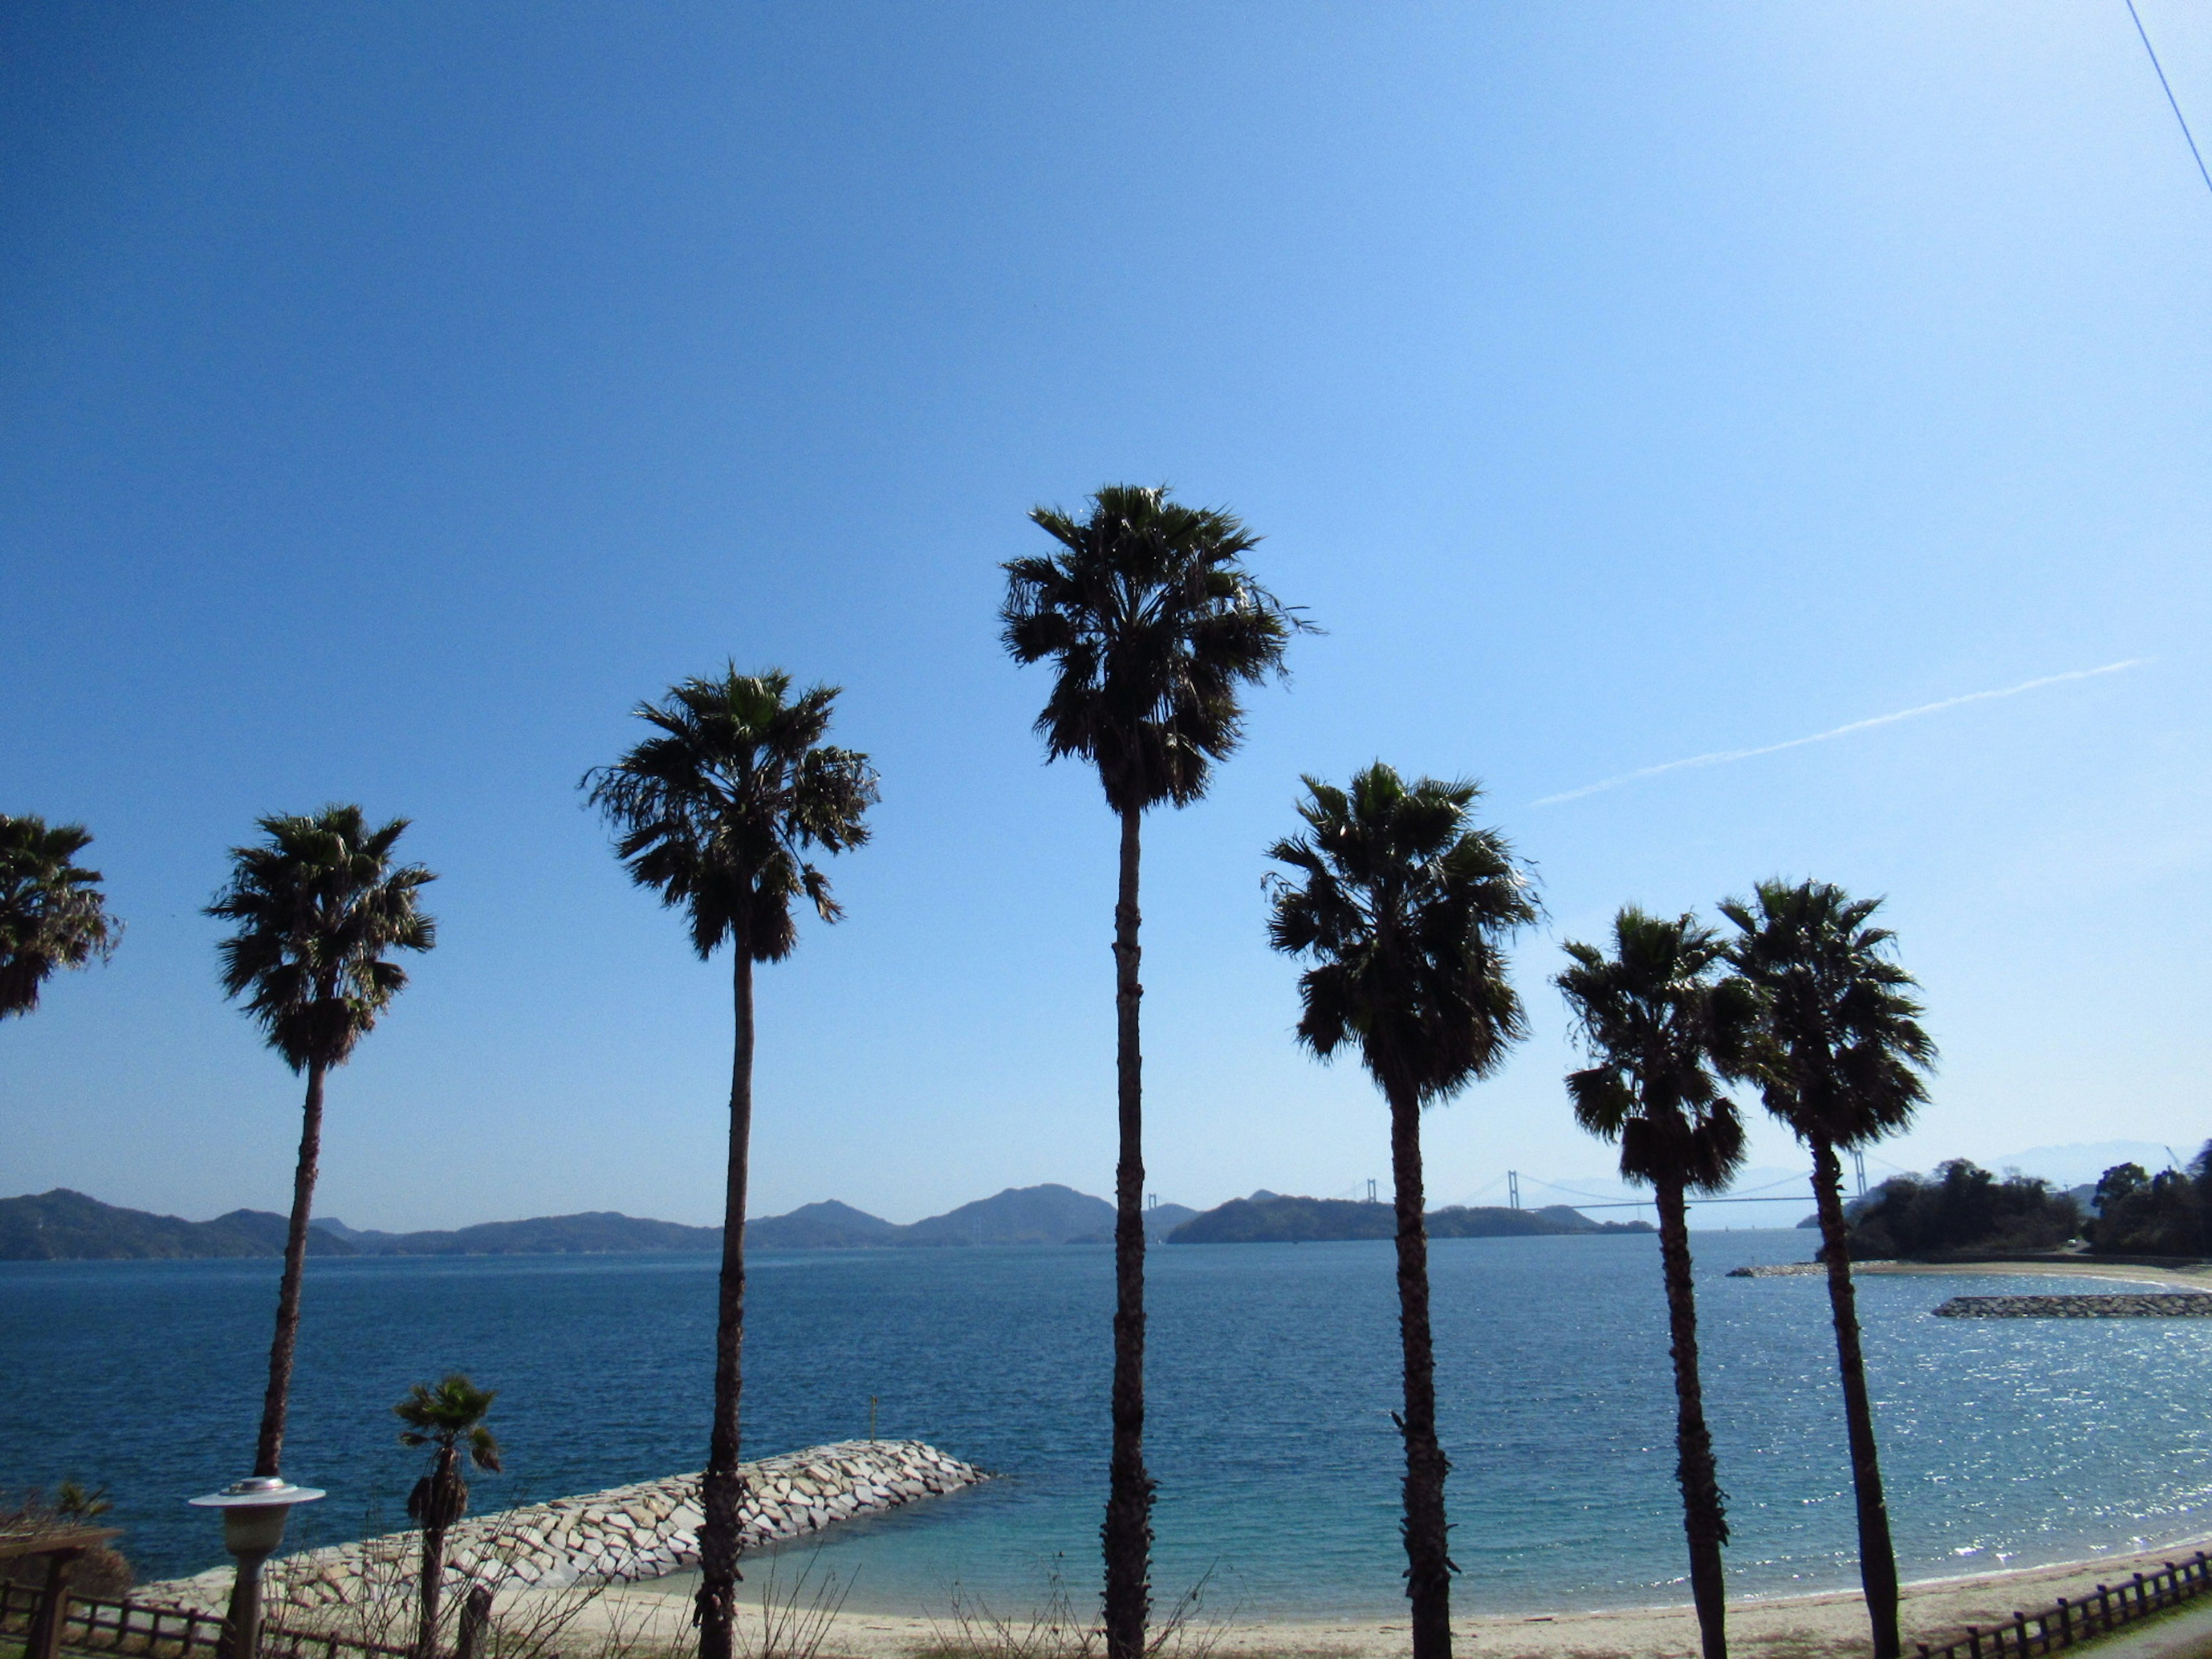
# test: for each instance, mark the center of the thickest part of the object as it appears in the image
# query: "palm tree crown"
(51, 913)
(450, 1417)
(717, 810)
(1154, 624)
(1662, 1033)
(1404, 906)
(1842, 1056)
(316, 905)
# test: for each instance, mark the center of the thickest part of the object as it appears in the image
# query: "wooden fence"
(2113, 1608)
(125, 1627)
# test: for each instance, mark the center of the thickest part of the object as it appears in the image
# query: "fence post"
(2020, 1631)
(1974, 1641)
(2065, 1624)
(476, 1618)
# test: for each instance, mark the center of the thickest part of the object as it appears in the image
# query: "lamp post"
(253, 1515)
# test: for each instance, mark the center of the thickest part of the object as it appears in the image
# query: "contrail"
(1723, 757)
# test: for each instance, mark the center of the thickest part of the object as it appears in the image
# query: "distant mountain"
(65, 1227)
(1272, 1219)
(1050, 1214)
(2081, 1162)
(594, 1232)
(828, 1226)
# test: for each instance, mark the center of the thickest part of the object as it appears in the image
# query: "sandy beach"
(1759, 1627)
(2194, 1277)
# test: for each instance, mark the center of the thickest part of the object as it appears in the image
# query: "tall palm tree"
(1153, 626)
(1403, 906)
(316, 905)
(1841, 1059)
(52, 912)
(716, 812)
(1663, 1029)
(449, 1419)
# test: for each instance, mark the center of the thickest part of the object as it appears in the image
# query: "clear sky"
(391, 396)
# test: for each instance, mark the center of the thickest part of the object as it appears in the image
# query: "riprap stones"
(618, 1536)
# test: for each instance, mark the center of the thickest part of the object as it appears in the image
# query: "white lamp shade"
(253, 1511)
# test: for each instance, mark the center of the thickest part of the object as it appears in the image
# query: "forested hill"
(1268, 1218)
(592, 1232)
(65, 1227)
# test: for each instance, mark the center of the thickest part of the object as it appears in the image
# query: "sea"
(1272, 1371)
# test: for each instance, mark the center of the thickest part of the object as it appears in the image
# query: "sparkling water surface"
(1273, 1368)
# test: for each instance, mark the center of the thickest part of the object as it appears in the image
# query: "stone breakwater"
(2184, 1304)
(618, 1536)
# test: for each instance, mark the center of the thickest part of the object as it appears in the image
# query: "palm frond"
(1404, 907)
(1663, 1030)
(52, 914)
(1153, 625)
(1839, 1054)
(316, 907)
(716, 810)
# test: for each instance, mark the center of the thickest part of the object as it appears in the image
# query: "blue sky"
(391, 396)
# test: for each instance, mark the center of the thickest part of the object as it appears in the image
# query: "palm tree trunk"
(1877, 1558)
(1428, 1562)
(434, 1557)
(723, 1489)
(269, 1453)
(1704, 1518)
(1128, 1530)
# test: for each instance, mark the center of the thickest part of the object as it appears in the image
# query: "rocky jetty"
(618, 1536)
(2155, 1305)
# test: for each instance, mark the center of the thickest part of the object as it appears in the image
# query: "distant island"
(1270, 1218)
(62, 1226)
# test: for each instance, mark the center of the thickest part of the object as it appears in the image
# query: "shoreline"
(1813, 1625)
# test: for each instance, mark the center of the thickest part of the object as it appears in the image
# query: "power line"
(2172, 103)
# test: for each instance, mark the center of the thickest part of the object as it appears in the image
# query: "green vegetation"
(1840, 1057)
(448, 1418)
(316, 907)
(1152, 626)
(53, 914)
(1664, 1029)
(1403, 907)
(2169, 1213)
(716, 812)
(1964, 1208)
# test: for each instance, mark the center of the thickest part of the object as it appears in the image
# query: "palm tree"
(1663, 1032)
(317, 905)
(716, 812)
(1840, 1059)
(450, 1419)
(1152, 625)
(51, 913)
(1404, 906)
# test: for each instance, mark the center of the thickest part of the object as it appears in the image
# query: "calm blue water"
(1273, 1368)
